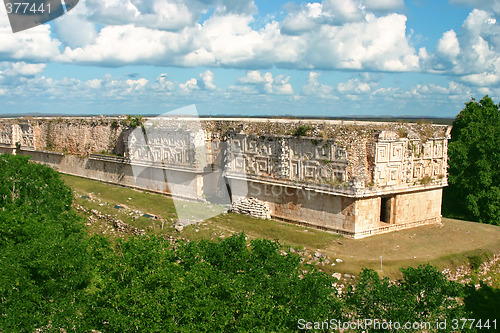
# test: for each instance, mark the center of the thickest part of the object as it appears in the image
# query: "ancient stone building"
(353, 178)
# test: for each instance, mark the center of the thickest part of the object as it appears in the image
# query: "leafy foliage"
(204, 287)
(54, 278)
(31, 188)
(483, 303)
(42, 248)
(134, 121)
(422, 295)
(301, 130)
(474, 152)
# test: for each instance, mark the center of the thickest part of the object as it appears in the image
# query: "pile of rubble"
(253, 207)
(119, 225)
(462, 274)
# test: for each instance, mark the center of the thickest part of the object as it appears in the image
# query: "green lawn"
(447, 245)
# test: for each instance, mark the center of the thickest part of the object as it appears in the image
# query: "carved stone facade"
(353, 178)
(296, 159)
(409, 161)
(17, 134)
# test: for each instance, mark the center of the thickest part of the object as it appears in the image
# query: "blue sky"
(242, 57)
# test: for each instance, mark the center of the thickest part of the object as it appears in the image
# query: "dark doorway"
(385, 209)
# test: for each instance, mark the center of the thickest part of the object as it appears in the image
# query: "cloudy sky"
(262, 57)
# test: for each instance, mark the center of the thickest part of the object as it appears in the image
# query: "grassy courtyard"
(449, 245)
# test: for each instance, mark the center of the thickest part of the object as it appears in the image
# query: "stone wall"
(116, 170)
(354, 178)
(300, 205)
(416, 206)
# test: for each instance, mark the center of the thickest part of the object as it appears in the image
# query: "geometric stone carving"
(403, 161)
(382, 152)
(289, 158)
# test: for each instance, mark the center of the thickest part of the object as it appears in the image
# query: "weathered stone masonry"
(353, 178)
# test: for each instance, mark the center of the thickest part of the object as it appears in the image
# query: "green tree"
(36, 188)
(43, 261)
(423, 295)
(148, 286)
(474, 152)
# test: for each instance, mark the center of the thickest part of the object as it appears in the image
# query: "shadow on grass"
(484, 305)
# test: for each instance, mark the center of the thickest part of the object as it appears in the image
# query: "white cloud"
(315, 88)
(453, 91)
(74, 29)
(327, 35)
(20, 68)
(94, 83)
(132, 32)
(302, 19)
(473, 53)
(35, 44)
(154, 14)
(136, 85)
(483, 79)
(254, 77)
(164, 84)
(364, 84)
(310, 16)
(207, 81)
(189, 86)
(171, 15)
(119, 45)
(425, 92)
(377, 44)
(266, 83)
(343, 11)
(247, 90)
(448, 45)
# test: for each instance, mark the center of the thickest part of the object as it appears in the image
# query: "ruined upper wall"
(340, 156)
(329, 153)
(78, 136)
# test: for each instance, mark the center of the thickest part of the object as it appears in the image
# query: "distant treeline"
(429, 120)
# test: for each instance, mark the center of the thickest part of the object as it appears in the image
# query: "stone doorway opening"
(386, 209)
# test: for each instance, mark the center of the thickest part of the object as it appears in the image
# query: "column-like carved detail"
(283, 158)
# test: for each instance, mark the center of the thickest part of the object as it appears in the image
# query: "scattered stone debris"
(462, 274)
(338, 276)
(253, 207)
(117, 223)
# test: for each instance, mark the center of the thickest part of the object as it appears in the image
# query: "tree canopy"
(44, 261)
(54, 277)
(474, 166)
